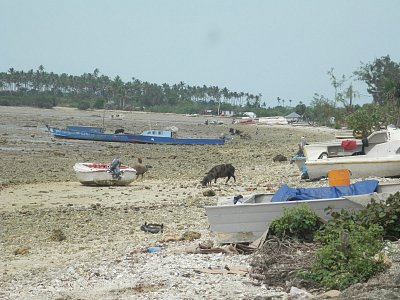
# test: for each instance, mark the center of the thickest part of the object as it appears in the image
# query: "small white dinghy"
(104, 174)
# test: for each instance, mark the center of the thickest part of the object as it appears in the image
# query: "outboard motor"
(364, 144)
(115, 168)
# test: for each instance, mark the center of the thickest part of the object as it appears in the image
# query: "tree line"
(93, 90)
(115, 92)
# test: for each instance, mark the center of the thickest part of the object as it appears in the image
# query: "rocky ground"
(62, 240)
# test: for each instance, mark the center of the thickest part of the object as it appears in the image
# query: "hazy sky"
(276, 48)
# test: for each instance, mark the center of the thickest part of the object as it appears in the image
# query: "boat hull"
(249, 221)
(360, 167)
(98, 174)
(131, 138)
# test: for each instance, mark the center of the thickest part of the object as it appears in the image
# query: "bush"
(347, 255)
(384, 213)
(300, 222)
(84, 105)
(349, 244)
(366, 119)
(99, 104)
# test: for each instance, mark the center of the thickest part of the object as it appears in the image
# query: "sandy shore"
(102, 255)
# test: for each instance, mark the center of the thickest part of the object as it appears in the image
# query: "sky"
(274, 48)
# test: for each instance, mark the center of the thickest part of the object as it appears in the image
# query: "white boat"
(347, 147)
(383, 160)
(102, 174)
(273, 121)
(248, 221)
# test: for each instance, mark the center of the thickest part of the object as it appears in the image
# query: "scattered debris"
(58, 235)
(209, 193)
(190, 236)
(21, 251)
(277, 260)
(279, 157)
(152, 228)
(153, 249)
(226, 270)
(231, 249)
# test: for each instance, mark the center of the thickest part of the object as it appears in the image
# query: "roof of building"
(293, 115)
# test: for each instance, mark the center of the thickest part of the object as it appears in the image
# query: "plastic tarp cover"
(285, 193)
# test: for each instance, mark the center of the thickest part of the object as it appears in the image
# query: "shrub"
(299, 222)
(99, 104)
(84, 105)
(347, 255)
(348, 249)
(384, 213)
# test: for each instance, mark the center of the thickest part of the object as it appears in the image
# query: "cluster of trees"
(92, 90)
(382, 77)
(102, 90)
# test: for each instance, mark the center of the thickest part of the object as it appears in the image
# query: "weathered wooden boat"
(147, 137)
(104, 174)
(248, 221)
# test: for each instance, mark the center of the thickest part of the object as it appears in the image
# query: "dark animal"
(119, 131)
(140, 168)
(219, 171)
(234, 131)
(279, 157)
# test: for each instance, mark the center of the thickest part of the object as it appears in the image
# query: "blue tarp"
(285, 193)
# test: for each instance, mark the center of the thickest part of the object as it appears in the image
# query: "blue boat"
(89, 129)
(147, 137)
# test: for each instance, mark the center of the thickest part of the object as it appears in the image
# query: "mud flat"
(62, 240)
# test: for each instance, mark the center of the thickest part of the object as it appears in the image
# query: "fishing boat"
(383, 160)
(104, 174)
(349, 146)
(249, 219)
(146, 137)
(169, 137)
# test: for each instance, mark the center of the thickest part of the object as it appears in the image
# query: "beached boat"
(342, 148)
(103, 174)
(273, 121)
(249, 220)
(247, 121)
(383, 160)
(147, 137)
(348, 147)
(169, 137)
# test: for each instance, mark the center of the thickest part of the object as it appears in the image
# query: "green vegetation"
(366, 119)
(383, 213)
(300, 222)
(351, 242)
(347, 253)
(93, 90)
